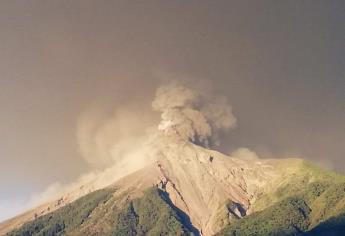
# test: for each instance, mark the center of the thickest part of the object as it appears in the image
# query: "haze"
(280, 64)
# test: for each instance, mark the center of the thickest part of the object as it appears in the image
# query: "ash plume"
(192, 115)
(118, 143)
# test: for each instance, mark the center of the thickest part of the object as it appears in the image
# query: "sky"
(281, 65)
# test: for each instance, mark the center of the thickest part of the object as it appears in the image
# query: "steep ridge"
(200, 181)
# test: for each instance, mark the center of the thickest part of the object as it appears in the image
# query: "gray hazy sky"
(280, 63)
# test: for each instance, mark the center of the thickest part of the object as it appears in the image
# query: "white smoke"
(192, 115)
(105, 140)
(244, 153)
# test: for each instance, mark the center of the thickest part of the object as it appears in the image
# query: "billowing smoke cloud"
(115, 144)
(123, 141)
(193, 116)
(105, 140)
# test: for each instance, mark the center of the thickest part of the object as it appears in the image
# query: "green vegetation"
(305, 201)
(285, 218)
(66, 218)
(127, 221)
(297, 175)
(100, 213)
(335, 226)
(149, 215)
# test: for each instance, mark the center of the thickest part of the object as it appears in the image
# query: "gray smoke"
(192, 115)
(122, 142)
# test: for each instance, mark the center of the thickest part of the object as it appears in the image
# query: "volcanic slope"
(187, 189)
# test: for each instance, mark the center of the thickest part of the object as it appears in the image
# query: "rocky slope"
(203, 191)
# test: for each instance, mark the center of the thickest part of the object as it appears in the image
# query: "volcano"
(189, 189)
(183, 187)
